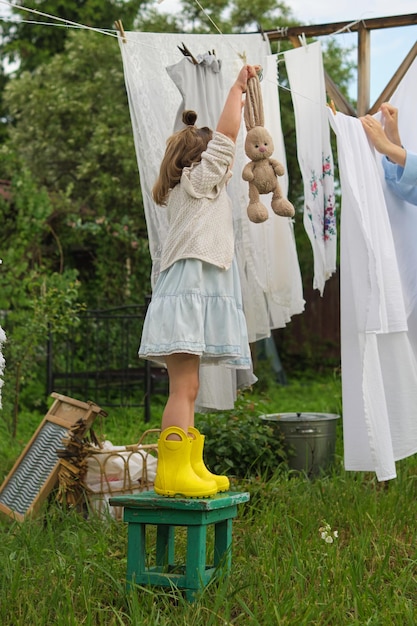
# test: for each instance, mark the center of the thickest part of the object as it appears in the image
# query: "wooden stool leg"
(165, 550)
(195, 569)
(223, 544)
(136, 552)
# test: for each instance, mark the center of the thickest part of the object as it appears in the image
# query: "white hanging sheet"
(403, 216)
(274, 262)
(379, 369)
(270, 298)
(306, 77)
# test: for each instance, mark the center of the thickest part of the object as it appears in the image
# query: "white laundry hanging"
(271, 284)
(274, 262)
(154, 100)
(379, 369)
(403, 216)
(306, 77)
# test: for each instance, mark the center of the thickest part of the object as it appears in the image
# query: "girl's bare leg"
(183, 372)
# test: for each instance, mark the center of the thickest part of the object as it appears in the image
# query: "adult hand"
(381, 142)
(375, 133)
(390, 121)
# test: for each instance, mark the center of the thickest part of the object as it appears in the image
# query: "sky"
(389, 46)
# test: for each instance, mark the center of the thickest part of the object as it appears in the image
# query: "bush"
(239, 444)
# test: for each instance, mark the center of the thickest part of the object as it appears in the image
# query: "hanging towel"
(379, 368)
(306, 77)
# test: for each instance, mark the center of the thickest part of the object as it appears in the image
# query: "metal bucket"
(310, 439)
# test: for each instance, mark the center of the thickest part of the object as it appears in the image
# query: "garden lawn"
(340, 549)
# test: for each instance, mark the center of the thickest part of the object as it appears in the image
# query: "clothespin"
(264, 37)
(119, 26)
(303, 40)
(242, 55)
(332, 106)
(184, 50)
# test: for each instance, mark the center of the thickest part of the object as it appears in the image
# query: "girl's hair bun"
(189, 118)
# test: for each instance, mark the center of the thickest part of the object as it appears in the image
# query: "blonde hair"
(183, 148)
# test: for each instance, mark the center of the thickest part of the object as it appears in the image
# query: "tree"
(33, 298)
(32, 45)
(73, 133)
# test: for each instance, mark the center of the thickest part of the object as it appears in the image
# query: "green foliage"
(239, 444)
(81, 149)
(34, 45)
(34, 299)
(65, 569)
(48, 303)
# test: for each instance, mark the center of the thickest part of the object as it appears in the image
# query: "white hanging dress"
(379, 368)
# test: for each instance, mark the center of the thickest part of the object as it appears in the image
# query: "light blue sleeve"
(402, 180)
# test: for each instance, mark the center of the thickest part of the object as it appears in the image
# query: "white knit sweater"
(200, 210)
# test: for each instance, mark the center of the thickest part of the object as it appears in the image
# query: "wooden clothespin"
(332, 106)
(261, 30)
(243, 56)
(118, 24)
(185, 51)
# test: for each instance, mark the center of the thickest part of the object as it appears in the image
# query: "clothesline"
(113, 33)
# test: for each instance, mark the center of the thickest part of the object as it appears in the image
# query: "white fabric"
(269, 299)
(201, 88)
(403, 216)
(273, 262)
(379, 370)
(306, 77)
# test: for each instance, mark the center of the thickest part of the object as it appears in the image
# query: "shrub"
(239, 443)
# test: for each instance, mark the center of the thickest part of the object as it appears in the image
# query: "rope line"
(65, 23)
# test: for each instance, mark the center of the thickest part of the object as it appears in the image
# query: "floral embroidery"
(314, 187)
(324, 223)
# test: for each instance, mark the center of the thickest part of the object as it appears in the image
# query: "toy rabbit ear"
(253, 111)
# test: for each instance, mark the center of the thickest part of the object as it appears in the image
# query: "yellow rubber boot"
(174, 474)
(197, 461)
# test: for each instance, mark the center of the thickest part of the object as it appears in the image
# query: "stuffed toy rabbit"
(262, 171)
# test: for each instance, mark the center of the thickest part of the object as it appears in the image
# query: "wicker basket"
(115, 470)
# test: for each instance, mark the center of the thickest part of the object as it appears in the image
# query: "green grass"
(61, 569)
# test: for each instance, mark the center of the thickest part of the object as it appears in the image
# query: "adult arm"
(402, 180)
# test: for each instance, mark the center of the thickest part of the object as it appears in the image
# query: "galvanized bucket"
(310, 439)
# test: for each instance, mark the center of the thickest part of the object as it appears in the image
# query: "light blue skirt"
(196, 308)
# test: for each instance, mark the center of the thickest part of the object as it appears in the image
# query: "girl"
(195, 315)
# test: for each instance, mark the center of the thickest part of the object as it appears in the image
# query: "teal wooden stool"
(196, 514)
